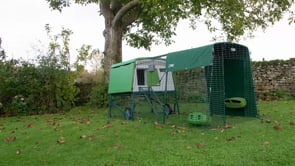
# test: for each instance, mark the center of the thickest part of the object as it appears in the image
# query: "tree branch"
(131, 18)
(124, 10)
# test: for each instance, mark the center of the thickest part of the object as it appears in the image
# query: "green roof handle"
(235, 102)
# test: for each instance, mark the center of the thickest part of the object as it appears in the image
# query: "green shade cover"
(189, 59)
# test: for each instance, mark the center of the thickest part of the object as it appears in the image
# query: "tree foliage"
(144, 22)
(150, 20)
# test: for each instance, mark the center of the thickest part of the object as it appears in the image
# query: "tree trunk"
(113, 48)
(114, 25)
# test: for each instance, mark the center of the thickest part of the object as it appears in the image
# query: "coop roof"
(190, 58)
(198, 57)
(122, 75)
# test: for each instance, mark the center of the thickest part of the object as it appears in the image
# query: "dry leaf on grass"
(188, 147)
(177, 127)
(124, 123)
(17, 152)
(91, 137)
(227, 127)
(159, 126)
(277, 127)
(199, 146)
(10, 139)
(61, 141)
(30, 125)
(83, 136)
(231, 138)
(108, 125)
(117, 146)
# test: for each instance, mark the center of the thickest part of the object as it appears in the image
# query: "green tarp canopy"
(189, 59)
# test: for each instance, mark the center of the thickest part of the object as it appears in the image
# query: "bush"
(99, 95)
(20, 105)
(83, 97)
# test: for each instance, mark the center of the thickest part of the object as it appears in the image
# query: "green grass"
(87, 138)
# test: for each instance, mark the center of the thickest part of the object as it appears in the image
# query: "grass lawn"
(85, 137)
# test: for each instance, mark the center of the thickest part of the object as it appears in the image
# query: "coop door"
(153, 78)
(140, 77)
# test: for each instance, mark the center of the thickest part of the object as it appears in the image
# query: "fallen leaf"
(227, 127)
(83, 136)
(108, 125)
(199, 146)
(61, 141)
(10, 139)
(188, 147)
(88, 123)
(267, 121)
(30, 125)
(91, 137)
(277, 127)
(117, 146)
(159, 126)
(17, 152)
(231, 138)
(124, 123)
(172, 133)
(265, 143)
(177, 127)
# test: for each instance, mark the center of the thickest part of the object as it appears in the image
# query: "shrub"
(19, 105)
(99, 95)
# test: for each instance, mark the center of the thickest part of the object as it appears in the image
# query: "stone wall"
(276, 75)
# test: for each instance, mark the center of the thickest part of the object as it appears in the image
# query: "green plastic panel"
(153, 78)
(198, 118)
(121, 78)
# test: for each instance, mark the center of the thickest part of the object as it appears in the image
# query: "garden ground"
(85, 136)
